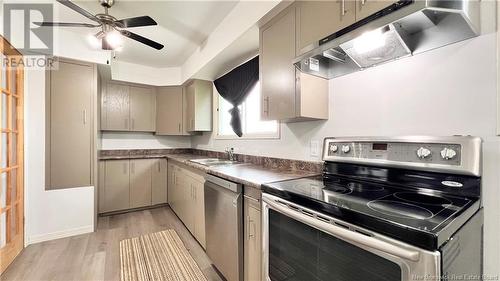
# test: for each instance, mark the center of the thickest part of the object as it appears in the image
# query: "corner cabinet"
(132, 183)
(126, 107)
(287, 94)
(199, 106)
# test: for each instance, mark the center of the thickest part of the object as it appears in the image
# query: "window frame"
(263, 136)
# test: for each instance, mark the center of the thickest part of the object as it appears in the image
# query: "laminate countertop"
(244, 173)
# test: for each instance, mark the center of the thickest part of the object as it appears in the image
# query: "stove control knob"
(423, 153)
(448, 153)
(334, 148)
(346, 148)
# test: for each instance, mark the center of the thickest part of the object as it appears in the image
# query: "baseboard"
(59, 234)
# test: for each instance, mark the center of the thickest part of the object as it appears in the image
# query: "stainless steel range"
(405, 208)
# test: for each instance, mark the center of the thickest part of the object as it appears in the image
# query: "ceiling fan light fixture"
(94, 41)
(113, 39)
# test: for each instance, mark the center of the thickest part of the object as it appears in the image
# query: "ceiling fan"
(111, 28)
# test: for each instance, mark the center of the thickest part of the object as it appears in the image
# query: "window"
(252, 125)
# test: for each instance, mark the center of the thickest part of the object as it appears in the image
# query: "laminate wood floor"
(95, 256)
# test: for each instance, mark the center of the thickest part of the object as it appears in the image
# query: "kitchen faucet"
(230, 154)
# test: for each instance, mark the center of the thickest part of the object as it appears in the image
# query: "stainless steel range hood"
(403, 29)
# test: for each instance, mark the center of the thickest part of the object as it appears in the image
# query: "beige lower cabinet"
(114, 194)
(134, 183)
(186, 198)
(140, 182)
(253, 239)
(159, 182)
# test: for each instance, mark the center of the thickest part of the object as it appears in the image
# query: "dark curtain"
(235, 87)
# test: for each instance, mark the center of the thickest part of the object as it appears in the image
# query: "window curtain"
(235, 87)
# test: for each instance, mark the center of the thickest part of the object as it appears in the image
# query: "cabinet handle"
(179, 127)
(159, 166)
(126, 123)
(125, 168)
(266, 103)
(133, 123)
(363, 2)
(133, 167)
(343, 7)
(84, 117)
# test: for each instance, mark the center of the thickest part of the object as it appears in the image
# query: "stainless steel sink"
(213, 161)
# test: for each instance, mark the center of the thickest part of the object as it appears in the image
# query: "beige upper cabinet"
(199, 106)
(366, 8)
(70, 95)
(284, 97)
(128, 108)
(159, 182)
(142, 109)
(116, 108)
(318, 19)
(169, 111)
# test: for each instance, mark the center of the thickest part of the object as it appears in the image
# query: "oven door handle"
(346, 234)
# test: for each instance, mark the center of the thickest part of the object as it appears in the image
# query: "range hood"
(402, 29)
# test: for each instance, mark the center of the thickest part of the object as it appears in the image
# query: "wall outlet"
(314, 149)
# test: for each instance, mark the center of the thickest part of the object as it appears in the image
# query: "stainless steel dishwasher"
(224, 226)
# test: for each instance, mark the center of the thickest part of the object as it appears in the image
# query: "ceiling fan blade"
(66, 24)
(141, 39)
(136, 22)
(78, 9)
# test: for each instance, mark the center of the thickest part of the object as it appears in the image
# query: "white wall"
(143, 141)
(447, 91)
(49, 214)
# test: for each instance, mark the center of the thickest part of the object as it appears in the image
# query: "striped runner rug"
(156, 257)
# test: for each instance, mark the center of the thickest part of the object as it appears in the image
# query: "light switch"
(314, 148)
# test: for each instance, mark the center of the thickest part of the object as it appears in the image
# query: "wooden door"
(252, 243)
(116, 186)
(318, 19)
(12, 156)
(366, 8)
(159, 182)
(116, 108)
(69, 125)
(277, 73)
(142, 109)
(169, 103)
(140, 182)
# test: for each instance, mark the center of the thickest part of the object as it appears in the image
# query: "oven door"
(301, 244)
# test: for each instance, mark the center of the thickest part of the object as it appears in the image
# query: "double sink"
(214, 162)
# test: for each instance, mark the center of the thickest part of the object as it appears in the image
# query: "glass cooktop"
(422, 210)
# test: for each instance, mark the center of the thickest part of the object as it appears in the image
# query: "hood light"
(369, 41)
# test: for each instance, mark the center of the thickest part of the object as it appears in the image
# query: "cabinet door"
(159, 184)
(277, 73)
(366, 8)
(142, 109)
(69, 125)
(140, 182)
(116, 186)
(318, 19)
(252, 244)
(199, 211)
(190, 107)
(170, 181)
(169, 111)
(116, 108)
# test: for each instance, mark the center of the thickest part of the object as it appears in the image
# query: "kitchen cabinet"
(287, 94)
(128, 107)
(159, 182)
(366, 8)
(140, 182)
(142, 109)
(253, 239)
(71, 93)
(169, 111)
(186, 198)
(199, 106)
(115, 193)
(316, 20)
(132, 183)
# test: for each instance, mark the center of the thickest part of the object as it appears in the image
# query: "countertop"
(245, 173)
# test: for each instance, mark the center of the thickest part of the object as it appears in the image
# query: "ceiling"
(183, 26)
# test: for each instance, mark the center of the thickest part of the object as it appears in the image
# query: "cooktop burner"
(400, 209)
(422, 198)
